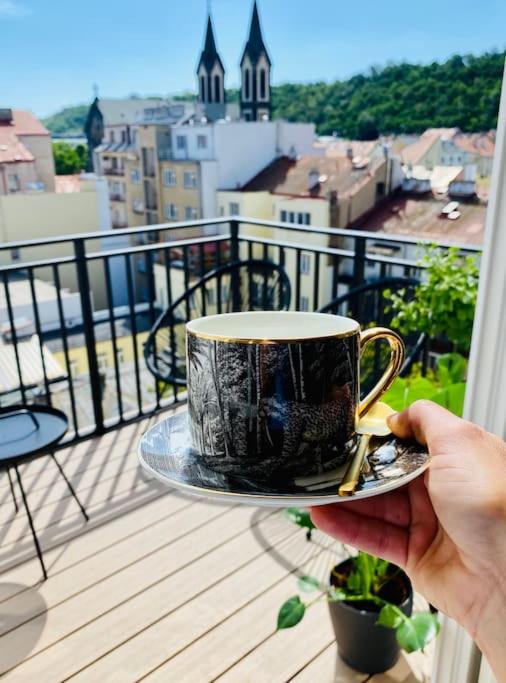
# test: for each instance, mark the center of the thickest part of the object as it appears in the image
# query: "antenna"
(209, 6)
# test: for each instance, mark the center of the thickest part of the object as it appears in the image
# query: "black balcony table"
(28, 432)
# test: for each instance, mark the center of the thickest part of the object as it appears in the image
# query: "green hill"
(463, 91)
(68, 121)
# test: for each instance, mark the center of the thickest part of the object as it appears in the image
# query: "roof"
(24, 123)
(414, 153)
(67, 184)
(209, 55)
(30, 362)
(12, 149)
(291, 176)
(338, 147)
(126, 111)
(418, 217)
(21, 293)
(476, 143)
(255, 45)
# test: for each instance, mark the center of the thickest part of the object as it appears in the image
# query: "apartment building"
(26, 155)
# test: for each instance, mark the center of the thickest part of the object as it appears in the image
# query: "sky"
(53, 52)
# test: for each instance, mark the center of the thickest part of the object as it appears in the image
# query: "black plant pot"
(361, 643)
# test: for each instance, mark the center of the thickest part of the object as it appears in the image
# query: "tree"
(68, 159)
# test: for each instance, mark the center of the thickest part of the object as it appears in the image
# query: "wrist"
(490, 634)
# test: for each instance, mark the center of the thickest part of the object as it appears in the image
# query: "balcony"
(115, 197)
(114, 171)
(123, 590)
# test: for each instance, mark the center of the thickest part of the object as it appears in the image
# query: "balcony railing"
(114, 171)
(103, 382)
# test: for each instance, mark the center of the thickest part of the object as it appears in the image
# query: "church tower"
(211, 77)
(255, 74)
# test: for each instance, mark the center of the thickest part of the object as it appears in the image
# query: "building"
(32, 215)
(255, 92)
(26, 154)
(451, 147)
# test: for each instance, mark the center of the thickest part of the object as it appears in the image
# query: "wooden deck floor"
(158, 585)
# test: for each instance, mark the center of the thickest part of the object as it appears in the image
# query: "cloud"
(9, 8)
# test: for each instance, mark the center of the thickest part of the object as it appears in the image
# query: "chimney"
(5, 115)
(313, 178)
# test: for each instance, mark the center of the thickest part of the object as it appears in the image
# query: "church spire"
(255, 73)
(211, 76)
(255, 46)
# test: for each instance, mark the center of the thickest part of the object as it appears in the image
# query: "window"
(217, 88)
(190, 180)
(171, 211)
(120, 356)
(202, 141)
(291, 217)
(190, 213)
(123, 136)
(102, 362)
(181, 141)
(304, 303)
(202, 89)
(283, 217)
(305, 265)
(233, 209)
(169, 177)
(247, 86)
(263, 81)
(307, 219)
(112, 137)
(13, 182)
(135, 176)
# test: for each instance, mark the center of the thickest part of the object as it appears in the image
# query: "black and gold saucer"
(165, 452)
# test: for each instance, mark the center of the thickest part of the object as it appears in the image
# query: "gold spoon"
(372, 424)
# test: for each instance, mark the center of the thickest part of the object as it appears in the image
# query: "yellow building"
(39, 215)
(309, 190)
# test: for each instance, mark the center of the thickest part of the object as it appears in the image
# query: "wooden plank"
(328, 667)
(73, 524)
(140, 594)
(97, 535)
(252, 622)
(84, 483)
(125, 484)
(286, 652)
(185, 518)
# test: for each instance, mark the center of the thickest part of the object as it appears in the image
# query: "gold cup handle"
(397, 352)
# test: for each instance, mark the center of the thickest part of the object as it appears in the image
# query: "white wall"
(243, 149)
(300, 136)
(208, 187)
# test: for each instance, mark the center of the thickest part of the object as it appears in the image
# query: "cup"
(277, 393)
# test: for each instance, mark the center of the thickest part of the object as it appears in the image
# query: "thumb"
(425, 421)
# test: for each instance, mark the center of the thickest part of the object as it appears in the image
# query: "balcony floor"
(158, 585)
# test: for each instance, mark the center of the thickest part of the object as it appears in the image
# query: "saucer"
(165, 453)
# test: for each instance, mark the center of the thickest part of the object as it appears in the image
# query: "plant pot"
(362, 644)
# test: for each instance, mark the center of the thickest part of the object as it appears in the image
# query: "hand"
(447, 529)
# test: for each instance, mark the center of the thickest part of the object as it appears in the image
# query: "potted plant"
(370, 602)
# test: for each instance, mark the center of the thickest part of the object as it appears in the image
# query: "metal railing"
(123, 280)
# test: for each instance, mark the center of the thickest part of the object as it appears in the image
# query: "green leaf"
(390, 616)
(299, 517)
(417, 631)
(308, 584)
(291, 613)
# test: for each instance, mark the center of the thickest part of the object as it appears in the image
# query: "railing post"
(89, 334)
(234, 257)
(359, 261)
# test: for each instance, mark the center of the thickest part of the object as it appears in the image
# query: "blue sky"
(52, 52)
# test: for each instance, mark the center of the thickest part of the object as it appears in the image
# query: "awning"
(31, 365)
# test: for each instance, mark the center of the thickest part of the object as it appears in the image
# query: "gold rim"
(243, 340)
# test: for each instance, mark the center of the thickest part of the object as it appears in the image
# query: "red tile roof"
(25, 123)
(12, 149)
(290, 177)
(476, 143)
